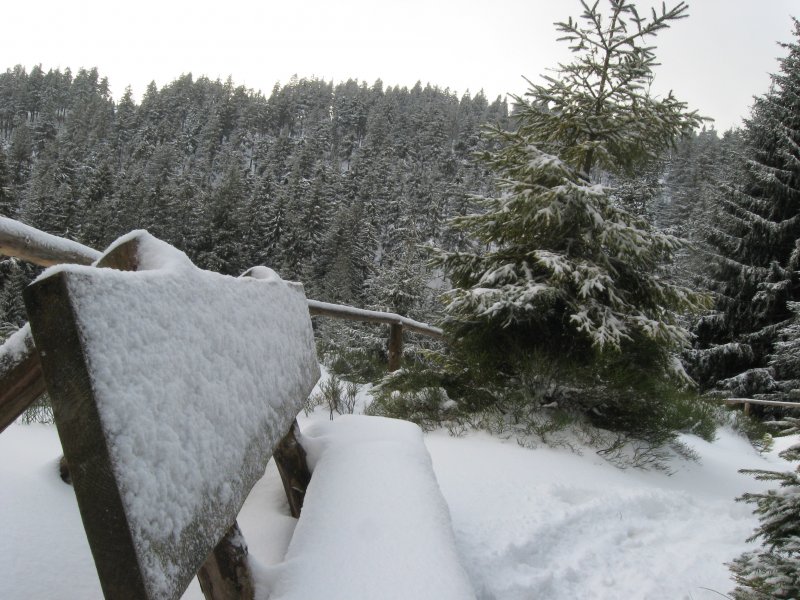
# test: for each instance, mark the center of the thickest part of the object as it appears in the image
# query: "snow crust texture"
(551, 524)
(374, 523)
(196, 376)
(530, 524)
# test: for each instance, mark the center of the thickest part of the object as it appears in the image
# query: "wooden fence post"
(395, 346)
(226, 573)
(290, 458)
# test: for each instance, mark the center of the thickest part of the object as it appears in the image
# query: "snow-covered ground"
(543, 523)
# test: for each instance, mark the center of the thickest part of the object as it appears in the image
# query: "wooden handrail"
(761, 402)
(21, 381)
(341, 311)
(31, 244)
(40, 248)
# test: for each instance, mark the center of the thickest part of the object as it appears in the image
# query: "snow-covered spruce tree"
(773, 571)
(784, 362)
(698, 173)
(757, 245)
(561, 279)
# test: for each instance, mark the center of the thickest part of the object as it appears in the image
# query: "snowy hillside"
(544, 523)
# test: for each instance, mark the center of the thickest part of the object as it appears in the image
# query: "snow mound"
(374, 523)
(551, 524)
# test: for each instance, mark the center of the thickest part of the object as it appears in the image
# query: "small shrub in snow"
(333, 395)
(38, 412)
(340, 397)
(416, 394)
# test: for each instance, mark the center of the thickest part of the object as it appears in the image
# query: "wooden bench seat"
(374, 522)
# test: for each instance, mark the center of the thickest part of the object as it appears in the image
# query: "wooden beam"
(751, 401)
(395, 349)
(40, 248)
(340, 311)
(66, 370)
(290, 458)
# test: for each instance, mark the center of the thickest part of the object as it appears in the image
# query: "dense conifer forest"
(337, 186)
(344, 186)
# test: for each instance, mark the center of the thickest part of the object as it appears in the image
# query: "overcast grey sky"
(716, 60)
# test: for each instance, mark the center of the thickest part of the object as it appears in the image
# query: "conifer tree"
(773, 571)
(559, 273)
(757, 247)
(7, 204)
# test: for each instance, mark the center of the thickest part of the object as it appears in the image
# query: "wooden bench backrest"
(171, 387)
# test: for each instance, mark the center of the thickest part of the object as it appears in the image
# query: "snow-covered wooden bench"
(172, 387)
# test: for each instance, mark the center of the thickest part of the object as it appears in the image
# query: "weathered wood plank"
(395, 349)
(66, 370)
(350, 313)
(751, 401)
(290, 458)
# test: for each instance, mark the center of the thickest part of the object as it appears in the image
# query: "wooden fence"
(21, 381)
(20, 373)
(748, 402)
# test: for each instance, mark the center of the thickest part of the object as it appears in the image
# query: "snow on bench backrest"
(170, 386)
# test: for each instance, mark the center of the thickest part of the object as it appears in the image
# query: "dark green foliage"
(332, 185)
(755, 245)
(14, 276)
(596, 111)
(773, 571)
(8, 205)
(559, 298)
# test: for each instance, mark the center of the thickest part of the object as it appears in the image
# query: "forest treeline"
(337, 186)
(341, 186)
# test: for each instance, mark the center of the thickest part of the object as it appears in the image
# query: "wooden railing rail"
(40, 248)
(341, 311)
(397, 324)
(21, 381)
(748, 402)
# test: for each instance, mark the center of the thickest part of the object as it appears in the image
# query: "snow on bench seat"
(374, 523)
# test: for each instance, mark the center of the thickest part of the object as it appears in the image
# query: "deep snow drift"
(544, 523)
